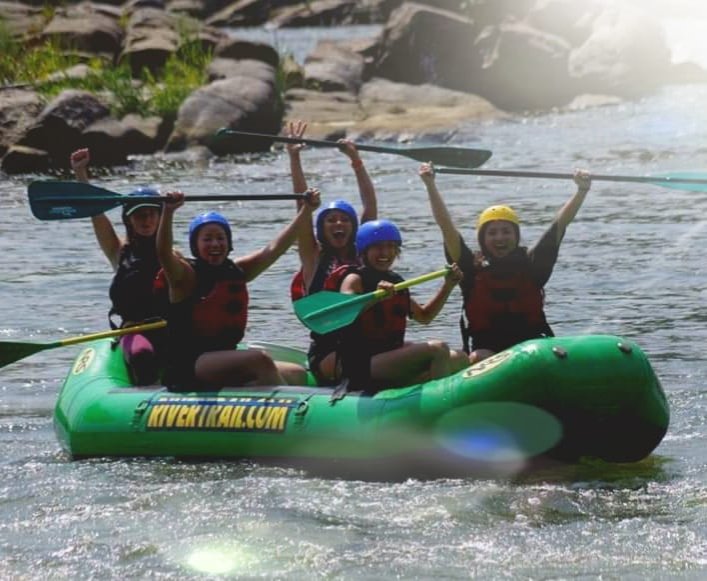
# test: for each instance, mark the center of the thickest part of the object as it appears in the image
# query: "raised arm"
(365, 186)
(567, 213)
(450, 234)
(257, 262)
(180, 275)
(307, 246)
(427, 313)
(108, 240)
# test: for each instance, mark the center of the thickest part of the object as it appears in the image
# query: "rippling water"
(631, 264)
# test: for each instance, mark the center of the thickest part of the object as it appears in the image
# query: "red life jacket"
(382, 326)
(503, 309)
(325, 267)
(216, 315)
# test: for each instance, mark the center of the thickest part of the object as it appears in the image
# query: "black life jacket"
(132, 290)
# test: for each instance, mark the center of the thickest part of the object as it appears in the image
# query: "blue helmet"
(377, 231)
(203, 220)
(140, 196)
(340, 205)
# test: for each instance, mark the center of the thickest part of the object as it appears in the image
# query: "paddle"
(326, 311)
(443, 155)
(64, 200)
(11, 352)
(693, 181)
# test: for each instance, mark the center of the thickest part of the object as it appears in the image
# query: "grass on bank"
(151, 94)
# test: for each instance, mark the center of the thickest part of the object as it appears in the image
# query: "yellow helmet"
(497, 213)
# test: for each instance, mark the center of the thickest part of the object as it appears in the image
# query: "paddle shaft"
(14, 351)
(566, 176)
(90, 199)
(114, 333)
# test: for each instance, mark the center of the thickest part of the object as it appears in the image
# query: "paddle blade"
(59, 200)
(327, 311)
(694, 181)
(11, 352)
(450, 156)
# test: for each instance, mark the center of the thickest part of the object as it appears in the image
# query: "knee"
(438, 348)
(480, 355)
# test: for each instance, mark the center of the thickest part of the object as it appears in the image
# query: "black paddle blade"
(65, 200)
(11, 352)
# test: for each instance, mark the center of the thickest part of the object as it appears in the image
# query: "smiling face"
(338, 229)
(381, 255)
(212, 244)
(499, 238)
(144, 221)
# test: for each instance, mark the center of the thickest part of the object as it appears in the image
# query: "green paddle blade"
(327, 311)
(442, 155)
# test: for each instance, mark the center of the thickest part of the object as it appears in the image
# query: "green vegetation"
(153, 93)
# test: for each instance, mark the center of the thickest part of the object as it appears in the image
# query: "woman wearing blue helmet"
(135, 263)
(329, 243)
(208, 296)
(373, 351)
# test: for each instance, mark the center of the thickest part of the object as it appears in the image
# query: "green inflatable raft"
(559, 399)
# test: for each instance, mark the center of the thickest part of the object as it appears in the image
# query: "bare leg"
(458, 360)
(411, 363)
(237, 367)
(293, 373)
(480, 355)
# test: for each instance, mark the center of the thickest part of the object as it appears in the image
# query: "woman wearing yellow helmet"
(503, 282)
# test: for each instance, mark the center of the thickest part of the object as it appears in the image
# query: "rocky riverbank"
(436, 66)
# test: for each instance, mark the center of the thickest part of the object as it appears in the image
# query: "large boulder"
(332, 67)
(88, 28)
(20, 20)
(626, 54)
(238, 102)
(20, 159)
(18, 109)
(151, 38)
(59, 127)
(421, 45)
(523, 68)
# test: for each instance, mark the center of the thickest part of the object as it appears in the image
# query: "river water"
(632, 264)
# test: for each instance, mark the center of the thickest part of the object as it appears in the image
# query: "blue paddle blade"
(66, 200)
(695, 181)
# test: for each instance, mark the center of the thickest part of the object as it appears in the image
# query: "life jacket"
(327, 264)
(132, 289)
(214, 318)
(382, 326)
(503, 306)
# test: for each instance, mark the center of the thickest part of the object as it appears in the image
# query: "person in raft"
(330, 243)
(134, 261)
(208, 298)
(373, 352)
(503, 284)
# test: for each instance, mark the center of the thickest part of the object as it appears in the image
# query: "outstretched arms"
(365, 186)
(256, 262)
(450, 234)
(567, 213)
(106, 236)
